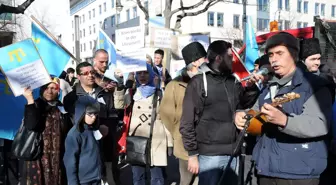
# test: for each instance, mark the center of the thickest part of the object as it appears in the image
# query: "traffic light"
(274, 26)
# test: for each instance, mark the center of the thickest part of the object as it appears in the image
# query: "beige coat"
(161, 137)
(171, 112)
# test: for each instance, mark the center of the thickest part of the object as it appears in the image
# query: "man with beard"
(171, 106)
(291, 148)
(207, 128)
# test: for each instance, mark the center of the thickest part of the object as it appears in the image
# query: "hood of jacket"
(85, 104)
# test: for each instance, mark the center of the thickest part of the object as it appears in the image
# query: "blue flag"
(52, 55)
(252, 52)
(104, 42)
(11, 110)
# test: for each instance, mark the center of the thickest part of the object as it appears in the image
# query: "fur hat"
(263, 60)
(282, 38)
(309, 47)
(193, 52)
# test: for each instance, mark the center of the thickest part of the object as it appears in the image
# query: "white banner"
(130, 38)
(132, 61)
(161, 38)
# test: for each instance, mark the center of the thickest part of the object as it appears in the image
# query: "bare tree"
(15, 10)
(183, 11)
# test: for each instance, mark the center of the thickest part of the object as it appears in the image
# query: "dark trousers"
(276, 181)
(139, 175)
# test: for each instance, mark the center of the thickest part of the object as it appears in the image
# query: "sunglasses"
(86, 73)
(92, 114)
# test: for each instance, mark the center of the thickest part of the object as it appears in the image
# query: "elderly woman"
(45, 115)
(140, 126)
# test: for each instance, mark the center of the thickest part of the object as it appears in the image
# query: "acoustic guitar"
(258, 119)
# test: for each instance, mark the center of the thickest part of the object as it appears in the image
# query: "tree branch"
(185, 14)
(16, 10)
(182, 8)
(144, 10)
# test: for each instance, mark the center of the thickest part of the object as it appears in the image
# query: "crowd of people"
(198, 117)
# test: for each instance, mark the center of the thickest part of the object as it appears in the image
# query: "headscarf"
(54, 80)
(148, 89)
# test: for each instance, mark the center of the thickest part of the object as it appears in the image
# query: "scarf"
(148, 89)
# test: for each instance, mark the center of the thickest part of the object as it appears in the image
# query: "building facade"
(224, 20)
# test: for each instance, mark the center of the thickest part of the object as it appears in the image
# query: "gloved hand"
(170, 151)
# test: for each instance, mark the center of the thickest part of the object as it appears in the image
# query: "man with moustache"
(291, 149)
(211, 99)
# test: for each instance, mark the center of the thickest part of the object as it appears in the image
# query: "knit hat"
(193, 52)
(309, 47)
(282, 38)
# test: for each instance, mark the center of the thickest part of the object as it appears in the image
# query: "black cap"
(193, 52)
(309, 47)
(282, 38)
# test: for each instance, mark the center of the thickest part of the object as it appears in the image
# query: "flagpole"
(54, 38)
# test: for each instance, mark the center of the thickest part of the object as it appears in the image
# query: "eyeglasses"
(92, 114)
(86, 73)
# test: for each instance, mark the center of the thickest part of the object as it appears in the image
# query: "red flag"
(238, 67)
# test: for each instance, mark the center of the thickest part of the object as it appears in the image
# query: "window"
(333, 9)
(299, 3)
(262, 24)
(83, 18)
(94, 28)
(322, 9)
(90, 30)
(80, 34)
(72, 24)
(100, 24)
(236, 21)
(287, 25)
(317, 9)
(73, 50)
(100, 9)
(220, 19)
(287, 5)
(211, 19)
(146, 5)
(135, 12)
(105, 7)
(305, 7)
(90, 44)
(81, 47)
(80, 19)
(279, 4)
(73, 37)
(113, 20)
(236, 1)
(84, 47)
(93, 12)
(299, 24)
(89, 14)
(84, 32)
(262, 5)
(112, 2)
(118, 18)
(305, 24)
(128, 15)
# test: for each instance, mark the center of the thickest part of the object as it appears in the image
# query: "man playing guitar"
(291, 148)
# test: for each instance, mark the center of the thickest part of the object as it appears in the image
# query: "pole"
(77, 37)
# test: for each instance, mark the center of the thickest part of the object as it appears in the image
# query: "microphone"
(262, 71)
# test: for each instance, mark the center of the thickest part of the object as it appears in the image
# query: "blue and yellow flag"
(18, 54)
(252, 52)
(11, 110)
(52, 55)
(104, 42)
